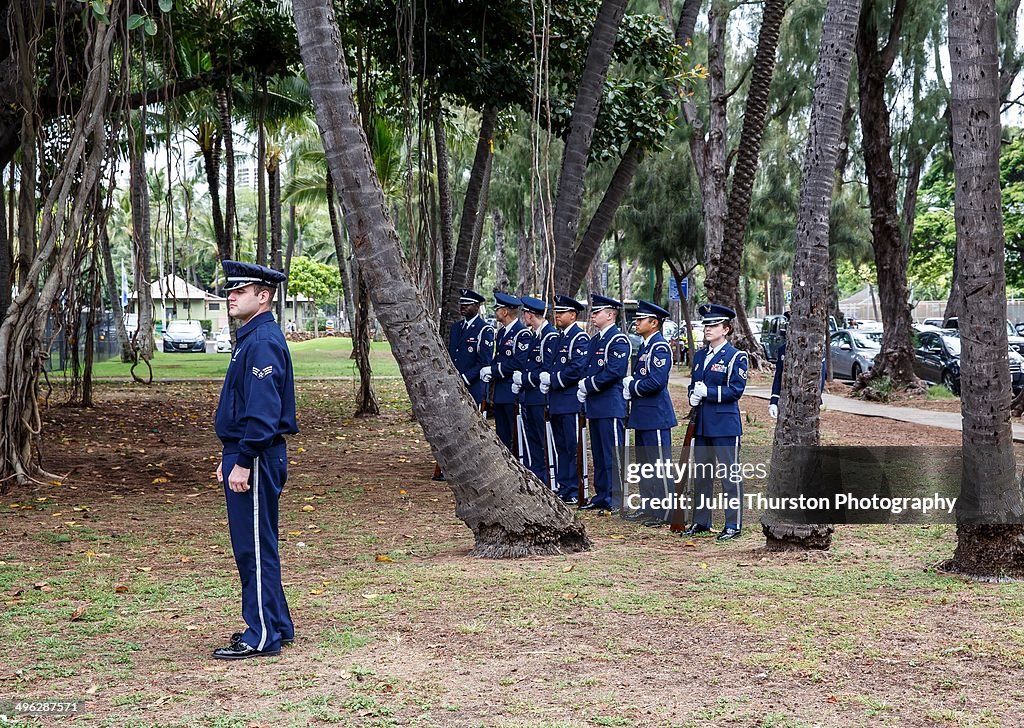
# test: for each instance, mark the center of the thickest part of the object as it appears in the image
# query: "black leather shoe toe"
(696, 530)
(728, 534)
(238, 650)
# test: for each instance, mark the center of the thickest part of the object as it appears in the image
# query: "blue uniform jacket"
(725, 375)
(542, 351)
(511, 353)
(257, 401)
(608, 363)
(471, 345)
(572, 353)
(777, 380)
(652, 404)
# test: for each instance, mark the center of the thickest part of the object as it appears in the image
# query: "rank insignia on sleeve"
(524, 346)
(619, 354)
(261, 373)
(742, 373)
(660, 362)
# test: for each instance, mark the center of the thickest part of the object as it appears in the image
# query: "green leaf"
(166, 5)
(149, 26)
(99, 7)
(135, 20)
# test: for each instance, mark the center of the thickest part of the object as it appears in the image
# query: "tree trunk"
(366, 403)
(261, 184)
(990, 511)
(339, 252)
(467, 225)
(227, 135)
(124, 343)
(500, 263)
(709, 155)
(6, 252)
(724, 286)
(601, 222)
(141, 241)
(571, 178)
(797, 430)
(478, 226)
(524, 256)
(777, 291)
(95, 307)
(444, 204)
(510, 512)
(896, 359)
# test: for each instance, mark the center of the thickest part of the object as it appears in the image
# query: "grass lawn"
(116, 584)
(323, 357)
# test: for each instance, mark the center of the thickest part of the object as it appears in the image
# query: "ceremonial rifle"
(683, 483)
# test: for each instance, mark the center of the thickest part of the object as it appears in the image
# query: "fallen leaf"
(690, 543)
(77, 614)
(308, 508)
(40, 584)
(91, 690)
(703, 565)
(145, 568)
(618, 536)
(157, 481)
(569, 568)
(569, 597)
(120, 588)
(384, 558)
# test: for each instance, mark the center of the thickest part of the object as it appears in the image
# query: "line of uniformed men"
(543, 381)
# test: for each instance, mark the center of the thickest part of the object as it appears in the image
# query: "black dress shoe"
(238, 650)
(592, 506)
(728, 534)
(570, 501)
(633, 516)
(285, 642)
(696, 530)
(654, 523)
(438, 478)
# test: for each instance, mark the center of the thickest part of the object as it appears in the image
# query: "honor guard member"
(600, 390)
(534, 402)
(471, 344)
(773, 403)
(559, 383)
(717, 383)
(255, 412)
(511, 349)
(651, 415)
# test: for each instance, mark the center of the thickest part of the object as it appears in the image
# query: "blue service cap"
(568, 303)
(713, 313)
(469, 297)
(239, 275)
(504, 299)
(534, 305)
(599, 303)
(647, 309)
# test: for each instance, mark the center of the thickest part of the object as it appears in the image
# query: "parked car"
(937, 360)
(224, 340)
(1020, 328)
(773, 329)
(185, 335)
(669, 330)
(853, 352)
(1013, 338)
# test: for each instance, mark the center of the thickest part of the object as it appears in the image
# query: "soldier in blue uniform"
(255, 412)
(534, 402)
(651, 415)
(600, 389)
(717, 383)
(471, 343)
(559, 383)
(511, 351)
(773, 403)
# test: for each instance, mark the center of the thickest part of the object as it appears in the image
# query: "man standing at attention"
(528, 381)
(511, 350)
(600, 390)
(255, 412)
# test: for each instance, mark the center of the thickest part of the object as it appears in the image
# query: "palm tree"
(510, 512)
(797, 431)
(990, 509)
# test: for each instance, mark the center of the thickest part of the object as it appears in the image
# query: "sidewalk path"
(929, 418)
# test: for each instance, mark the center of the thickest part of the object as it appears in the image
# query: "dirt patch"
(397, 626)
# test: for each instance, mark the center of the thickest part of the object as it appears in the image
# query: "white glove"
(700, 389)
(485, 374)
(626, 394)
(545, 378)
(516, 388)
(773, 411)
(582, 386)
(626, 381)
(544, 388)
(517, 377)
(695, 400)
(581, 396)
